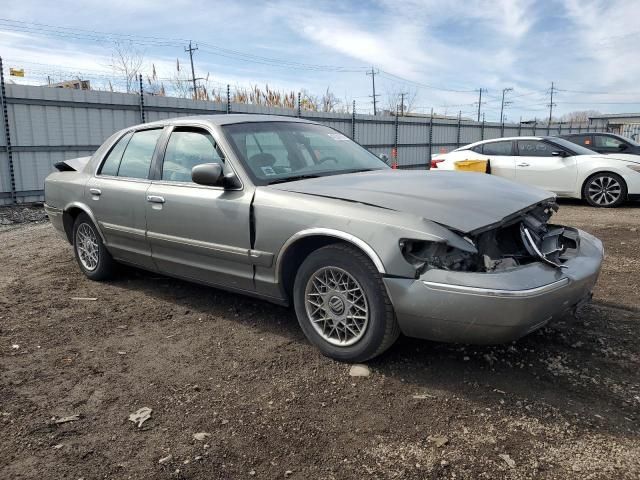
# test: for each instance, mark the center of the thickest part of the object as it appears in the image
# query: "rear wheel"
(92, 256)
(342, 305)
(605, 190)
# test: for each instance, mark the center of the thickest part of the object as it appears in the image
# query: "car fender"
(85, 208)
(594, 165)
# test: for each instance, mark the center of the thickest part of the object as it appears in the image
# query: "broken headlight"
(424, 254)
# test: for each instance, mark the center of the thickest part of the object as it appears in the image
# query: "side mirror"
(559, 153)
(384, 158)
(207, 174)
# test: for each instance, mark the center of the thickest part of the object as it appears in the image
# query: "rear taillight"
(435, 162)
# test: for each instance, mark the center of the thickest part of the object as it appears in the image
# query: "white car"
(557, 165)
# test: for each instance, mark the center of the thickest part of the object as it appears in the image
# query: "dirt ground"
(561, 403)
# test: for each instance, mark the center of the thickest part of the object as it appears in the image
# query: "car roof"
(227, 119)
(500, 139)
(588, 133)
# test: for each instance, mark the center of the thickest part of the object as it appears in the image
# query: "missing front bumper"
(484, 308)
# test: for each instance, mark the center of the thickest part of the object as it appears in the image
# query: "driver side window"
(188, 147)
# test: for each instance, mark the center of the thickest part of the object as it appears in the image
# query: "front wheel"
(92, 256)
(342, 305)
(605, 190)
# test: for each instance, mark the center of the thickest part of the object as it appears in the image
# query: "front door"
(537, 166)
(117, 196)
(198, 232)
(609, 144)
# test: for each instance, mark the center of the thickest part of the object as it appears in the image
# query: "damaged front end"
(520, 239)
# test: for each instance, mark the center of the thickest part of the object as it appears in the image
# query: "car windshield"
(275, 152)
(572, 147)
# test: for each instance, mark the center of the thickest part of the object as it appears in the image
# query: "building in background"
(625, 124)
(73, 84)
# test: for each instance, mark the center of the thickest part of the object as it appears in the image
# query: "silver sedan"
(298, 214)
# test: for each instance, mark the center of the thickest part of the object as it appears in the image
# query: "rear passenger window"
(584, 140)
(112, 162)
(137, 157)
(186, 149)
(535, 148)
(497, 148)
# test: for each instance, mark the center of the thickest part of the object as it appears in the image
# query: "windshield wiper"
(293, 178)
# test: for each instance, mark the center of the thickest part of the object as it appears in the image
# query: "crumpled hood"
(462, 201)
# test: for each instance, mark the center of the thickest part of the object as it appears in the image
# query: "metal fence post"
(548, 129)
(394, 154)
(142, 114)
(560, 129)
(580, 127)
(520, 127)
(353, 121)
(7, 133)
(430, 140)
(535, 124)
(299, 104)
(571, 126)
(458, 133)
(228, 99)
(482, 129)
(501, 126)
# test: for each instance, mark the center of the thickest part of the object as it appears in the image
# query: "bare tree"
(329, 101)
(395, 99)
(581, 116)
(181, 83)
(126, 61)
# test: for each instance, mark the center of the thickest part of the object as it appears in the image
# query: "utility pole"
(402, 103)
(193, 72)
(504, 104)
(551, 104)
(479, 103)
(373, 84)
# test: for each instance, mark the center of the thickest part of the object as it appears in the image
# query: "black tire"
(597, 181)
(105, 266)
(381, 330)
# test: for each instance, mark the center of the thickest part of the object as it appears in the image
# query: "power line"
(423, 85)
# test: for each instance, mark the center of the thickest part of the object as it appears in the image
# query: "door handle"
(95, 191)
(155, 199)
(523, 164)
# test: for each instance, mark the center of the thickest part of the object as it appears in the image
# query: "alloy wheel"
(336, 306)
(604, 190)
(87, 246)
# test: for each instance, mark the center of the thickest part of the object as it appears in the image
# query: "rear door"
(501, 159)
(585, 140)
(195, 231)
(537, 166)
(117, 196)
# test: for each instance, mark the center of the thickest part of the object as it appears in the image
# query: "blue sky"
(441, 51)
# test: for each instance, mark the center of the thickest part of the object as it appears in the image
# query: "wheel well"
(584, 184)
(298, 251)
(68, 219)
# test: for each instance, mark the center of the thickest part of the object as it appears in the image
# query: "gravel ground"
(561, 403)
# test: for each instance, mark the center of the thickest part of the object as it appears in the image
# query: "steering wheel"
(328, 159)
